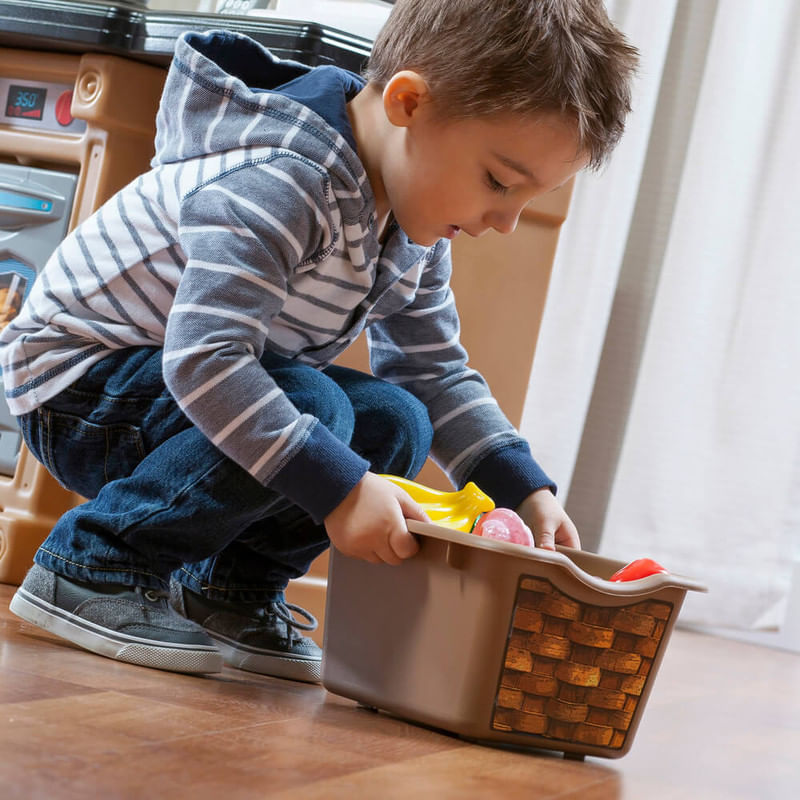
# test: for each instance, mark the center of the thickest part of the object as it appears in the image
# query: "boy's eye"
(494, 184)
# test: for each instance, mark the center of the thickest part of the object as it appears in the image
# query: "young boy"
(173, 360)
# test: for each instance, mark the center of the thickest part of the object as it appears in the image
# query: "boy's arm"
(240, 256)
(236, 280)
(419, 348)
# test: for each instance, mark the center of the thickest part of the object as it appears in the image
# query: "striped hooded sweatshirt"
(254, 231)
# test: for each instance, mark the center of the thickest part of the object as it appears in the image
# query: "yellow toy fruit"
(457, 510)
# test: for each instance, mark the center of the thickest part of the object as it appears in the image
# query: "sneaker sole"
(112, 644)
(276, 665)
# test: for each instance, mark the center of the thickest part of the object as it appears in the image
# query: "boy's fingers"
(545, 539)
(411, 508)
(567, 534)
(386, 555)
(570, 537)
(403, 544)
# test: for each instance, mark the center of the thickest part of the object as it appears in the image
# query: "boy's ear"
(404, 95)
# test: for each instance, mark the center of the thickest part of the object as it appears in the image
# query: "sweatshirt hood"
(217, 97)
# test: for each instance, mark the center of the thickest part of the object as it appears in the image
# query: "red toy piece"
(640, 568)
(504, 525)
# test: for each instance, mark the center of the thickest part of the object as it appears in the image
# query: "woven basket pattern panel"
(575, 672)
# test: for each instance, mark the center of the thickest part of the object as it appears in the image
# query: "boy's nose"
(504, 221)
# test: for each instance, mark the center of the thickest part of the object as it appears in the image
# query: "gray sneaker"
(255, 637)
(126, 623)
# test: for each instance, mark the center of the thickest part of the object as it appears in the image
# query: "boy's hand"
(548, 521)
(370, 523)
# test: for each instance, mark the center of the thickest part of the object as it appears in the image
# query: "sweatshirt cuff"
(321, 474)
(508, 475)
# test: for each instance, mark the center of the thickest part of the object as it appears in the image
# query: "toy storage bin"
(501, 643)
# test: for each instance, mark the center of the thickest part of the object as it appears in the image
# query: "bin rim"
(563, 557)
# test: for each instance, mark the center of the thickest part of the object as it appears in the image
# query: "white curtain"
(665, 393)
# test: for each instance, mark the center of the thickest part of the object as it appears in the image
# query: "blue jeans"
(164, 500)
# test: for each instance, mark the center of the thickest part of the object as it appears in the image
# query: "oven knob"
(63, 106)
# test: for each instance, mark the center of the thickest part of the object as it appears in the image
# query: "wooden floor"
(723, 722)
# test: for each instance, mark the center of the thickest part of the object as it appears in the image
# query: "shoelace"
(283, 611)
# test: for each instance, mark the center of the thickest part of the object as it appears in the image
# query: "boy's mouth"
(452, 231)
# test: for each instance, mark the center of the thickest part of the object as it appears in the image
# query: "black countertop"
(130, 29)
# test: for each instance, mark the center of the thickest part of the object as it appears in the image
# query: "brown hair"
(517, 56)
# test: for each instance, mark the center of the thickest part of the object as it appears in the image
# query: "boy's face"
(475, 175)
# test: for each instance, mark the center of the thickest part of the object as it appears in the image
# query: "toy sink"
(500, 643)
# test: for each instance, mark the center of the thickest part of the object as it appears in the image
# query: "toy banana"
(457, 510)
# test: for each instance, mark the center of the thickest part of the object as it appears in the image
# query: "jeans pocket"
(84, 456)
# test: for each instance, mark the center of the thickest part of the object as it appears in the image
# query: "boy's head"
(520, 57)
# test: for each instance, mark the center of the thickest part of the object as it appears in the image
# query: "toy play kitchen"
(73, 129)
(79, 85)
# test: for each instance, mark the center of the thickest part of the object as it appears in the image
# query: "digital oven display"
(25, 101)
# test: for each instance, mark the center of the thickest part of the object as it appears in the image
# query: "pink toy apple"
(504, 525)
